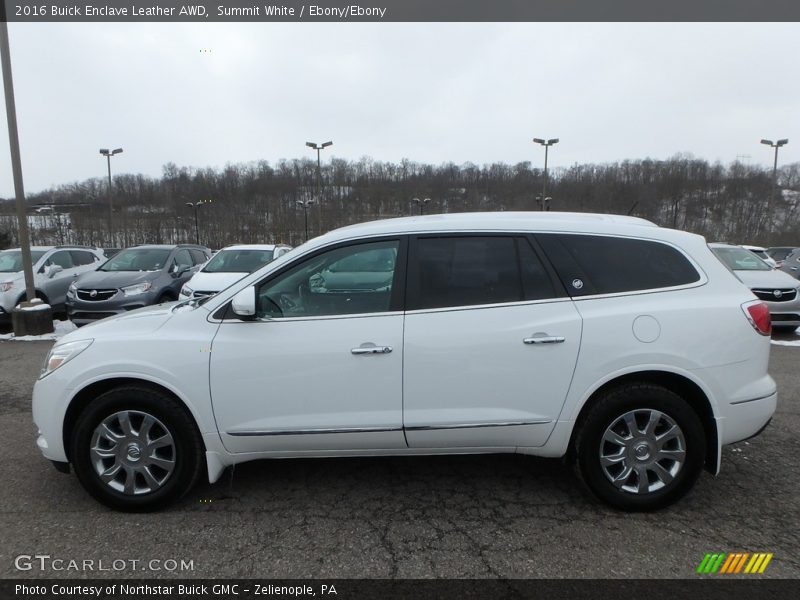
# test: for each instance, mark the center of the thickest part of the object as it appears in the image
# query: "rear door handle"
(539, 338)
(371, 349)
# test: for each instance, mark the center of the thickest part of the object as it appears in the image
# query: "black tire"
(186, 452)
(605, 412)
(164, 298)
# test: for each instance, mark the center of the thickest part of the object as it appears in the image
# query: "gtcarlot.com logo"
(735, 562)
(46, 562)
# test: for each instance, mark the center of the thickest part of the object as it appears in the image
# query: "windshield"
(238, 261)
(137, 259)
(11, 260)
(740, 259)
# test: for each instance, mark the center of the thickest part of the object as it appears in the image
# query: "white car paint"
(204, 282)
(465, 369)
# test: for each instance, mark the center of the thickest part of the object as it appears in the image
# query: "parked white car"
(228, 266)
(779, 290)
(628, 348)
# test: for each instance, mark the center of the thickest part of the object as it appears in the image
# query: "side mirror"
(53, 270)
(244, 303)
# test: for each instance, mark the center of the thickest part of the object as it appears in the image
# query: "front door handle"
(541, 338)
(371, 349)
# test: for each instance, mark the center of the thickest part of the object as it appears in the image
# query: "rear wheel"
(640, 447)
(136, 449)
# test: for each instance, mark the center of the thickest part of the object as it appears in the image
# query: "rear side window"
(589, 264)
(473, 270)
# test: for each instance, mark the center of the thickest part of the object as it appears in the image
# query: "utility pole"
(16, 160)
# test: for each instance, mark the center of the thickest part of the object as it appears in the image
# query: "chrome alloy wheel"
(132, 452)
(642, 451)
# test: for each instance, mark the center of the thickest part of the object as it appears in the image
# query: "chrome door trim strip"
(255, 432)
(477, 425)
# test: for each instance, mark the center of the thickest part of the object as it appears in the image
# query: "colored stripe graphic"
(733, 563)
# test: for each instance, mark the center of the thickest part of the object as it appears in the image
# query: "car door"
(320, 366)
(490, 345)
(55, 286)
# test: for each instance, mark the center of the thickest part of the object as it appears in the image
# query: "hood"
(114, 279)
(12, 276)
(143, 321)
(213, 282)
(767, 279)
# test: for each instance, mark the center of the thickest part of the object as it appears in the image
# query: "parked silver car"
(54, 269)
(780, 291)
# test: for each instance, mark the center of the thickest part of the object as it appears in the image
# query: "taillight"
(758, 315)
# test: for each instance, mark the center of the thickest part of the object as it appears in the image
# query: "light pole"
(776, 145)
(305, 204)
(422, 202)
(319, 148)
(546, 144)
(195, 205)
(108, 154)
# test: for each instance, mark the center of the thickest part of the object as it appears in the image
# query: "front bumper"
(83, 312)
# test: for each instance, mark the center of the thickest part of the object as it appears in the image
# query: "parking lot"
(475, 517)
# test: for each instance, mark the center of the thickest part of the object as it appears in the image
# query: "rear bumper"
(746, 419)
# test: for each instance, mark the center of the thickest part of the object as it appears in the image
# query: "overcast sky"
(428, 92)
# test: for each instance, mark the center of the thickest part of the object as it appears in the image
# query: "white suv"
(628, 348)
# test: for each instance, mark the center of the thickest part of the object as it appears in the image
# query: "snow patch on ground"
(61, 328)
(786, 342)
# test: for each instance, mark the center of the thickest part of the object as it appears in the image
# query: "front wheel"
(136, 449)
(641, 447)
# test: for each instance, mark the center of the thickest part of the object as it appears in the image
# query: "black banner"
(403, 11)
(717, 588)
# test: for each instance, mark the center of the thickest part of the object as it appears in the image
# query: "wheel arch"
(687, 389)
(85, 395)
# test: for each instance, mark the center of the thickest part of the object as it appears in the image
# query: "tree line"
(262, 202)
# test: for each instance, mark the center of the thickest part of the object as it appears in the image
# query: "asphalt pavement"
(463, 516)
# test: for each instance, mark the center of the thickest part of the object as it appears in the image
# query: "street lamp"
(195, 206)
(546, 144)
(776, 145)
(305, 204)
(108, 154)
(319, 148)
(422, 202)
(544, 205)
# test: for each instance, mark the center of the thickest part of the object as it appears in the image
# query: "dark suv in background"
(133, 278)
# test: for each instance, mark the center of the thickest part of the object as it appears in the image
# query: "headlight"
(139, 288)
(6, 285)
(61, 354)
(72, 289)
(186, 291)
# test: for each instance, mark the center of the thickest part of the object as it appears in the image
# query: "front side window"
(137, 259)
(593, 264)
(81, 258)
(61, 259)
(474, 270)
(350, 280)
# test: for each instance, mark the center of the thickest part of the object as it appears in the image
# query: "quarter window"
(351, 280)
(589, 264)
